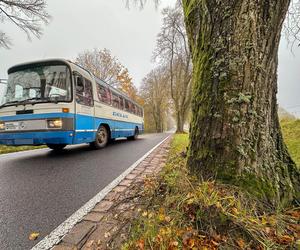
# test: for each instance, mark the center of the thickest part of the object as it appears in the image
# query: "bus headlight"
(54, 123)
(2, 126)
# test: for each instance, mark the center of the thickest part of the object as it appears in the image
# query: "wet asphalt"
(40, 189)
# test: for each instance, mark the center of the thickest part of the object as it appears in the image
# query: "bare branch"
(140, 3)
(28, 15)
(291, 27)
(5, 41)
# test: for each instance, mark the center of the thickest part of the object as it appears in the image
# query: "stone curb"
(109, 219)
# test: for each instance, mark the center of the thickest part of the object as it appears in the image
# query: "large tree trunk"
(180, 120)
(235, 134)
(179, 123)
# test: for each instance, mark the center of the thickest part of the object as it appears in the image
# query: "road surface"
(40, 189)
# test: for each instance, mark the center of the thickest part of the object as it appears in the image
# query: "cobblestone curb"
(107, 225)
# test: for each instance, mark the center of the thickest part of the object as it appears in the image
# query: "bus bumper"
(37, 138)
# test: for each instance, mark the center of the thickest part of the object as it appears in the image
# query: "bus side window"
(141, 112)
(103, 94)
(115, 100)
(121, 102)
(88, 92)
(131, 107)
(79, 86)
(127, 105)
(84, 92)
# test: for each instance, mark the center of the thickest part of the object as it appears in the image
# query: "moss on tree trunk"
(235, 134)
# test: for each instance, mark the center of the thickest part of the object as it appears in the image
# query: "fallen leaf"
(218, 205)
(33, 236)
(215, 243)
(159, 239)
(173, 245)
(168, 218)
(286, 239)
(267, 230)
(264, 221)
(241, 243)
(107, 234)
(161, 217)
(235, 211)
(140, 244)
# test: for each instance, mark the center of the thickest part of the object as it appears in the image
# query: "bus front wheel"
(101, 138)
(56, 147)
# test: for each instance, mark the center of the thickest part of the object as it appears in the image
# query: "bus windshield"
(37, 84)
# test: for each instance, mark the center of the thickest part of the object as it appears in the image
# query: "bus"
(58, 103)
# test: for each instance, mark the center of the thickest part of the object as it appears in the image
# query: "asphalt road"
(40, 189)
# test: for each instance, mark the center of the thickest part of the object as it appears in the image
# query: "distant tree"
(28, 15)
(172, 50)
(126, 85)
(102, 64)
(155, 93)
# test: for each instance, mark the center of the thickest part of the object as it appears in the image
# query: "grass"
(179, 212)
(291, 134)
(11, 149)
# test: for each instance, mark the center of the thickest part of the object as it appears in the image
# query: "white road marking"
(57, 234)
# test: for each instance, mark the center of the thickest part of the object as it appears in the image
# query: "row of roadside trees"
(167, 88)
(165, 92)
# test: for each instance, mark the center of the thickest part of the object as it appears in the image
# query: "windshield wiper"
(10, 102)
(32, 99)
(28, 101)
(40, 100)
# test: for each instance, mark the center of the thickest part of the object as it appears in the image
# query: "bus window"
(88, 92)
(121, 102)
(136, 110)
(84, 93)
(127, 108)
(103, 94)
(115, 100)
(131, 107)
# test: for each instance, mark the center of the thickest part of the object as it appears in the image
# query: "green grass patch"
(11, 149)
(291, 134)
(180, 212)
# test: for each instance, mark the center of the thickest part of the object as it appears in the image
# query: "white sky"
(79, 25)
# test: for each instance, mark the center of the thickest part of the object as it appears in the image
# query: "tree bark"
(180, 119)
(235, 134)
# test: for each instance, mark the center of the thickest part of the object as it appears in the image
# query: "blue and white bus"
(58, 103)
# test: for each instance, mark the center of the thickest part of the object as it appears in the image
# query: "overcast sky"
(78, 25)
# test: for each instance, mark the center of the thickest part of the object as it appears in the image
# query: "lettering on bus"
(120, 115)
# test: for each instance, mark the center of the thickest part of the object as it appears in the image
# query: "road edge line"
(58, 233)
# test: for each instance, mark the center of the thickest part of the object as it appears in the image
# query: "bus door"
(84, 110)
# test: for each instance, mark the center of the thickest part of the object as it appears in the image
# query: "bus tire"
(56, 147)
(135, 136)
(102, 138)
